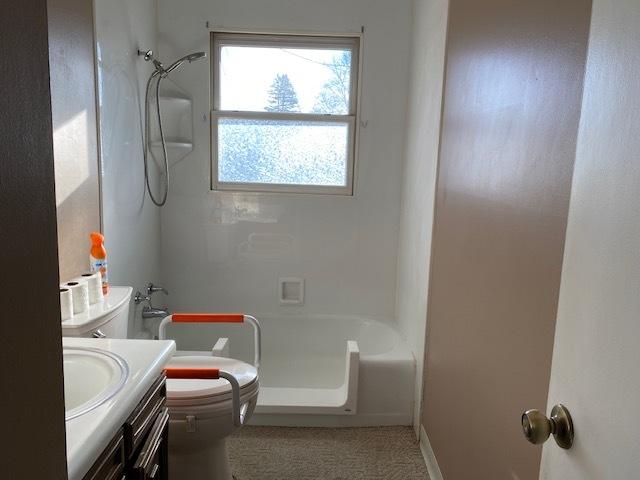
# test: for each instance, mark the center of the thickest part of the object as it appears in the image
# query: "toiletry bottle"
(98, 259)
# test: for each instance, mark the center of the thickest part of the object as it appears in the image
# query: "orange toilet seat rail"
(216, 318)
(238, 412)
(207, 318)
(193, 373)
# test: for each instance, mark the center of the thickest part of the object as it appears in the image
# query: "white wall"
(131, 221)
(596, 356)
(345, 248)
(419, 179)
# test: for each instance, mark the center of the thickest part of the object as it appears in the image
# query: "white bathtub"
(308, 375)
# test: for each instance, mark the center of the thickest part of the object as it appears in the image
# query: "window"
(284, 112)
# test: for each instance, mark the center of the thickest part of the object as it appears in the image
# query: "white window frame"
(352, 42)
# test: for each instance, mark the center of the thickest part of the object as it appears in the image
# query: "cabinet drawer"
(110, 464)
(143, 417)
(152, 461)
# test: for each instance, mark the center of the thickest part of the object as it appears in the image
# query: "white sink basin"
(91, 377)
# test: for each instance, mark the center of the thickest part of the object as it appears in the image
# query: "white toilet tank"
(109, 317)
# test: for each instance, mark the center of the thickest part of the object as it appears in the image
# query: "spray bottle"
(98, 259)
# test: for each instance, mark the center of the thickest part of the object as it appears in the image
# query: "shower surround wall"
(131, 221)
(419, 179)
(225, 251)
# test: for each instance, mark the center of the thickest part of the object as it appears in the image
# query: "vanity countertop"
(89, 434)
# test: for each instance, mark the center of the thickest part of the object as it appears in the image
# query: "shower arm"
(148, 56)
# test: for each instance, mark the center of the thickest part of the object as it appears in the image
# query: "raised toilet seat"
(201, 416)
(208, 399)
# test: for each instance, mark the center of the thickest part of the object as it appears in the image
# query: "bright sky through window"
(246, 73)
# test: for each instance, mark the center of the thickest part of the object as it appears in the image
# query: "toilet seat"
(185, 393)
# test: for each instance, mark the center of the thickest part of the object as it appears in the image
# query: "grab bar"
(238, 412)
(217, 318)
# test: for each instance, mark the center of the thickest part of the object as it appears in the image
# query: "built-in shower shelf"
(176, 150)
(178, 144)
(177, 123)
(176, 100)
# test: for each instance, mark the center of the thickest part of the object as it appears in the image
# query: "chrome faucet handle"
(138, 298)
(98, 334)
(151, 289)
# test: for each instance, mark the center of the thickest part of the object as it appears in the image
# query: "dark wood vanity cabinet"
(145, 436)
(151, 462)
(110, 465)
(140, 450)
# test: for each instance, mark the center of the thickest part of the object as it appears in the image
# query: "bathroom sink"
(91, 377)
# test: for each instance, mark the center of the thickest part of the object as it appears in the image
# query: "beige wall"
(514, 79)
(75, 144)
(596, 355)
(419, 177)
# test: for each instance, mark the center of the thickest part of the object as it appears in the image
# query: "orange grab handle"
(207, 318)
(193, 373)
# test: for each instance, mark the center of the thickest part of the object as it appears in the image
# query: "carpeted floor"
(276, 453)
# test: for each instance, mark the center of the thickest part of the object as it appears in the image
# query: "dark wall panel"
(32, 386)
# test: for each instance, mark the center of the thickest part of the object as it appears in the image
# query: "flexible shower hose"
(146, 142)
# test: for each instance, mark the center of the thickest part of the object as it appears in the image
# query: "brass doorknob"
(537, 427)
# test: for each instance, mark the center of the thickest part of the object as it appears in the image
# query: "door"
(509, 129)
(596, 360)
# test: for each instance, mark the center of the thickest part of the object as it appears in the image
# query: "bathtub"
(321, 370)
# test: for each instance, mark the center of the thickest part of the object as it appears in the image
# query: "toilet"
(200, 413)
(203, 412)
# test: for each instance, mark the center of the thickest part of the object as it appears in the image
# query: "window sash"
(347, 189)
(350, 43)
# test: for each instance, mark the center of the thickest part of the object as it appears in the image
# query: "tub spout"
(150, 312)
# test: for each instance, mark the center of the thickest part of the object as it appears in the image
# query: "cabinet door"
(110, 465)
(140, 422)
(152, 462)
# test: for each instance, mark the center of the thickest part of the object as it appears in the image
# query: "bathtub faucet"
(150, 312)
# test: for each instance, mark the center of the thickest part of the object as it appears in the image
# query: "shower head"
(195, 56)
(192, 57)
